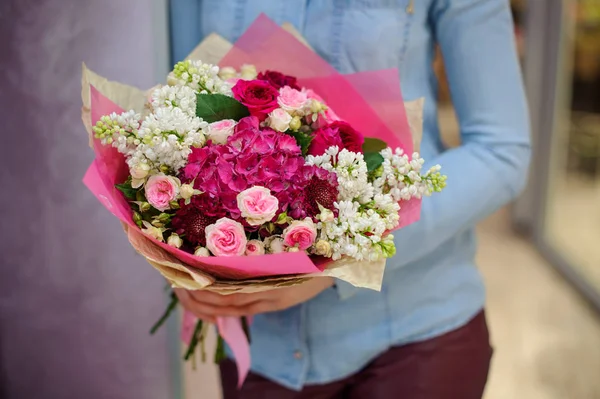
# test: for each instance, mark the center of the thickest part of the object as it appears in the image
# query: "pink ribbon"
(230, 329)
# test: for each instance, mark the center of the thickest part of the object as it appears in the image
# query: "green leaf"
(373, 160)
(216, 107)
(302, 139)
(127, 190)
(373, 145)
(371, 148)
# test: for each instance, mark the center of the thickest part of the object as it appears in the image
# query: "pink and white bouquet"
(237, 170)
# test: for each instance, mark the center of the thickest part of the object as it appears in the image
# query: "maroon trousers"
(452, 366)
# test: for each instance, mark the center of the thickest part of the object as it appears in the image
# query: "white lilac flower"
(401, 177)
(198, 76)
(351, 171)
(167, 137)
(181, 97)
(119, 130)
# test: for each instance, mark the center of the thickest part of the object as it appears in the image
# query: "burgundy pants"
(452, 366)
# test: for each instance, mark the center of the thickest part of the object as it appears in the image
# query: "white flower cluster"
(118, 130)
(402, 177)
(357, 232)
(170, 97)
(200, 77)
(351, 170)
(167, 137)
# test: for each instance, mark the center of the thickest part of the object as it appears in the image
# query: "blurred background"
(76, 304)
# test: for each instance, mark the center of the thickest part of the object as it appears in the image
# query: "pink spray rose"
(291, 99)
(257, 205)
(255, 247)
(160, 190)
(257, 95)
(300, 234)
(226, 237)
(219, 131)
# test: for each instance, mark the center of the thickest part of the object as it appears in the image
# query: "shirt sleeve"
(489, 168)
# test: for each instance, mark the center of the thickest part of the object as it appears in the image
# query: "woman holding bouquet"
(424, 336)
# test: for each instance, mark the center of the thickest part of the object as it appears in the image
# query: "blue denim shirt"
(432, 285)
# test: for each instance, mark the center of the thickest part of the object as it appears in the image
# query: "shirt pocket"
(370, 34)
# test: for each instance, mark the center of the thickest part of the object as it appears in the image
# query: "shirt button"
(298, 355)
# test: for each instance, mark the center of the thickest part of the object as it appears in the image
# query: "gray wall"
(75, 301)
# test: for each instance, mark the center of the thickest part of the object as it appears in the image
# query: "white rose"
(323, 248)
(140, 170)
(202, 252)
(219, 131)
(175, 241)
(279, 120)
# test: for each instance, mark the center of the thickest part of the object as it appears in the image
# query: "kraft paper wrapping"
(212, 50)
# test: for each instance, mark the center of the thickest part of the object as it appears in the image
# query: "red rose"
(351, 139)
(257, 95)
(324, 138)
(278, 80)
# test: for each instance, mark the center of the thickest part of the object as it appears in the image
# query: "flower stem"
(220, 351)
(172, 304)
(194, 342)
(246, 328)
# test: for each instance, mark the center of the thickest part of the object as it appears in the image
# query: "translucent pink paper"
(370, 101)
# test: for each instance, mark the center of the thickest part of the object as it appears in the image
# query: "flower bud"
(323, 248)
(227, 73)
(164, 169)
(274, 244)
(388, 248)
(174, 205)
(152, 231)
(316, 106)
(144, 207)
(248, 72)
(282, 218)
(293, 249)
(186, 191)
(157, 223)
(326, 215)
(164, 217)
(137, 219)
(140, 171)
(201, 251)
(295, 123)
(175, 241)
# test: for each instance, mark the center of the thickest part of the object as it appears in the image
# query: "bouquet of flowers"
(223, 174)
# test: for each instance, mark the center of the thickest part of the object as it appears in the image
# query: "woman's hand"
(208, 306)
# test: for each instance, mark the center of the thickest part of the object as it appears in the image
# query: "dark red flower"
(190, 221)
(320, 190)
(257, 95)
(278, 80)
(351, 139)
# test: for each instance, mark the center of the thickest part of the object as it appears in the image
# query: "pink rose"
(300, 234)
(257, 205)
(255, 247)
(219, 131)
(292, 99)
(160, 190)
(324, 138)
(257, 95)
(226, 237)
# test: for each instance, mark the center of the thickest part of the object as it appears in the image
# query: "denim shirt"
(432, 285)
